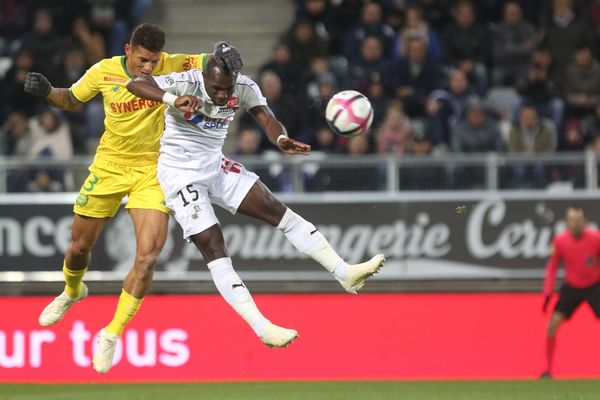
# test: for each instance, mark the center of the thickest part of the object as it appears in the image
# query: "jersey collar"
(123, 59)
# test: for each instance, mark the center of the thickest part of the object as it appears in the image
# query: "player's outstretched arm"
(38, 85)
(146, 88)
(276, 131)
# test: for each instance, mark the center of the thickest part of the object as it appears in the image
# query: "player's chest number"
(193, 192)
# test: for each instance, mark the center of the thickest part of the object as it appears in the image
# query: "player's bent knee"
(147, 262)
(80, 248)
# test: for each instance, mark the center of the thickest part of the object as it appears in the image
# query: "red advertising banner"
(342, 337)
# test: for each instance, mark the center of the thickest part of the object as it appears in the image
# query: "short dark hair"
(148, 36)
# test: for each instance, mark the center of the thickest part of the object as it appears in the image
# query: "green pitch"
(438, 390)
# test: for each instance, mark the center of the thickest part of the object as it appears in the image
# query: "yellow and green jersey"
(133, 126)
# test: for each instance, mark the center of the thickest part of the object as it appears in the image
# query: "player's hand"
(37, 84)
(227, 56)
(188, 103)
(546, 303)
(291, 146)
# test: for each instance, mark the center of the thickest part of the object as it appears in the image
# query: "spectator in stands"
(345, 14)
(359, 145)
(304, 44)
(445, 108)
(43, 42)
(416, 26)
(72, 66)
(437, 12)
(50, 137)
(531, 135)
(582, 83)
(565, 33)
(420, 143)
(326, 141)
(12, 96)
(539, 89)
(545, 8)
(370, 24)
(88, 39)
(514, 40)
(378, 97)
(15, 140)
(248, 142)
(113, 19)
(573, 138)
(415, 76)
(285, 107)
(14, 18)
(394, 133)
(289, 71)
(316, 110)
(415, 177)
(466, 43)
(370, 66)
(591, 125)
(477, 132)
(320, 14)
(320, 71)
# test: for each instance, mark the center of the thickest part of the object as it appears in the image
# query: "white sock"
(234, 291)
(308, 240)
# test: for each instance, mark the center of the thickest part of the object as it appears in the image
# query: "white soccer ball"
(349, 113)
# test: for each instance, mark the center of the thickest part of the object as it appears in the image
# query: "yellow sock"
(73, 278)
(126, 309)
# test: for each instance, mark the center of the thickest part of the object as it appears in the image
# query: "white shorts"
(190, 193)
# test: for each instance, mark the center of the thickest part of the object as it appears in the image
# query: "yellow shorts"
(109, 182)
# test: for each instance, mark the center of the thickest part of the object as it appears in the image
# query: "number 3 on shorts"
(92, 182)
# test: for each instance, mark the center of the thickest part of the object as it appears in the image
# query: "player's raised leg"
(211, 244)
(84, 234)
(260, 203)
(150, 233)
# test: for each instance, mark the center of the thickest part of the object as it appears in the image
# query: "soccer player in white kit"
(194, 174)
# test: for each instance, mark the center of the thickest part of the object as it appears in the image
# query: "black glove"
(227, 57)
(37, 84)
(546, 302)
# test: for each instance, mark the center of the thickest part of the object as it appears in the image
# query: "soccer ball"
(349, 113)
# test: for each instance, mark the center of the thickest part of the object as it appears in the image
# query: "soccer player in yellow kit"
(124, 164)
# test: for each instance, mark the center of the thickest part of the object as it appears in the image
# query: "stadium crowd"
(518, 77)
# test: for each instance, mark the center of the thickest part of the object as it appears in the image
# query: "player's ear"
(127, 49)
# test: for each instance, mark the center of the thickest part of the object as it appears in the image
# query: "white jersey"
(195, 141)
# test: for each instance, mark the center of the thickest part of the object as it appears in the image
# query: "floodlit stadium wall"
(434, 235)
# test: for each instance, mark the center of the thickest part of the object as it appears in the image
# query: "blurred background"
(486, 127)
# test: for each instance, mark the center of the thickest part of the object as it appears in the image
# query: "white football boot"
(276, 336)
(107, 343)
(357, 274)
(59, 306)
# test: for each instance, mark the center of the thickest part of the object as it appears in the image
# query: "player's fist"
(291, 146)
(547, 299)
(227, 57)
(37, 84)
(188, 103)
